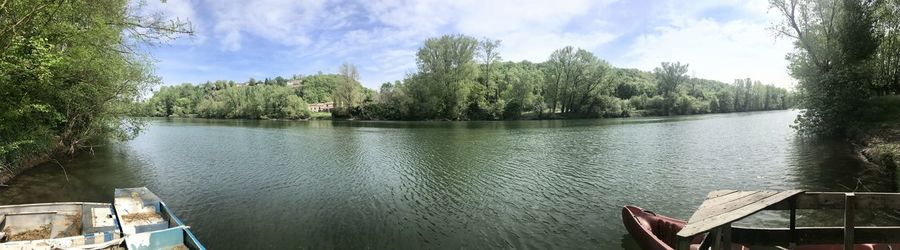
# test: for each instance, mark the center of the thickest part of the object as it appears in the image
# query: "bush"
(340, 113)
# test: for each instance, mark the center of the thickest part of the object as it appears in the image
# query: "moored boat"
(710, 227)
(58, 225)
(148, 223)
(138, 219)
(656, 232)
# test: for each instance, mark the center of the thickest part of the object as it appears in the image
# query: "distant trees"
(669, 76)
(228, 101)
(574, 78)
(447, 71)
(571, 83)
(258, 102)
(347, 91)
(484, 99)
(461, 78)
(520, 85)
(319, 87)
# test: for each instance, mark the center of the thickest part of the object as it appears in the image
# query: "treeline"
(227, 100)
(845, 52)
(462, 78)
(275, 98)
(69, 70)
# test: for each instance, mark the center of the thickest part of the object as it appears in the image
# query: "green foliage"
(572, 83)
(844, 53)
(669, 76)
(319, 88)
(573, 77)
(69, 72)
(633, 82)
(461, 78)
(271, 101)
(347, 92)
(446, 74)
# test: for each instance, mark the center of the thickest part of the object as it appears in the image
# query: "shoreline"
(547, 118)
(10, 173)
(879, 146)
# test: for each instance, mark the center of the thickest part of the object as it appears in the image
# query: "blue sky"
(236, 40)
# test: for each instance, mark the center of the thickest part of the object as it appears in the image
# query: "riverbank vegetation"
(878, 132)
(846, 52)
(462, 78)
(68, 73)
(847, 61)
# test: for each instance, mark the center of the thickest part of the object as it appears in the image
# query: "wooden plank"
(717, 243)
(835, 200)
(721, 200)
(813, 235)
(849, 216)
(792, 223)
(726, 237)
(716, 216)
(718, 205)
(719, 193)
(683, 244)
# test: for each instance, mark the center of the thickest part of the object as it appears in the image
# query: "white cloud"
(281, 21)
(719, 50)
(529, 30)
(382, 36)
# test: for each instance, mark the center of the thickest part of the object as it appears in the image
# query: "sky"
(236, 40)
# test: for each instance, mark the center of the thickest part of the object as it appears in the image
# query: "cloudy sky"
(236, 40)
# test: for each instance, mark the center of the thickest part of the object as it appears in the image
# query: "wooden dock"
(723, 207)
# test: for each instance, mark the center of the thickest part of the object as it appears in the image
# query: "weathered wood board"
(726, 206)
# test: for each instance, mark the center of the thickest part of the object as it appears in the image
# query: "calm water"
(412, 185)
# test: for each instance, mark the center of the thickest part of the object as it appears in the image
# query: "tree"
(887, 56)
(520, 83)
(346, 93)
(446, 73)
(487, 52)
(69, 72)
(319, 88)
(449, 85)
(669, 76)
(834, 44)
(573, 78)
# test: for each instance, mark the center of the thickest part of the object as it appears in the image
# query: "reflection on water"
(399, 185)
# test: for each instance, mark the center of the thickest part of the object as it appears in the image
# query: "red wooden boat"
(658, 232)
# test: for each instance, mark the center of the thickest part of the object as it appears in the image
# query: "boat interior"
(58, 224)
(137, 217)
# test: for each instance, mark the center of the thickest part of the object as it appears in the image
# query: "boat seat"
(19, 222)
(65, 225)
(98, 219)
(666, 231)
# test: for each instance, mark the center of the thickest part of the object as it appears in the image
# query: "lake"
(409, 185)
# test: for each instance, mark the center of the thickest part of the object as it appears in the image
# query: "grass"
(320, 116)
